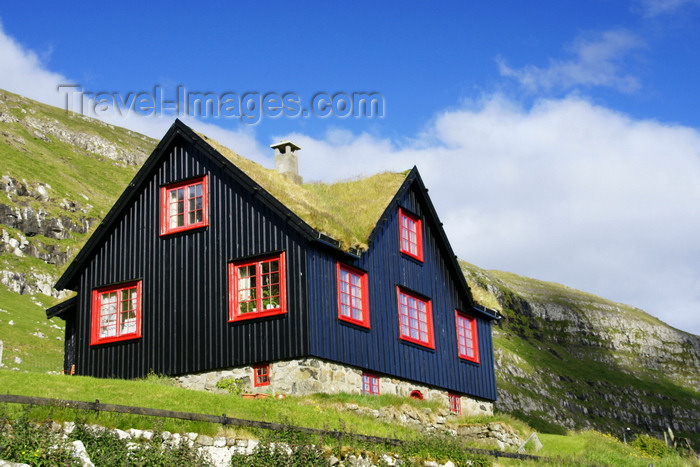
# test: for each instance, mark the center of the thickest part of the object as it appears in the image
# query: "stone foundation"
(312, 375)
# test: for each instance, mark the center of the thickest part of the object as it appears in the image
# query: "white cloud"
(598, 61)
(566, 191)
(23, 72)
(664, 7)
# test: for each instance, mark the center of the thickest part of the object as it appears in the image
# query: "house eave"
(62, 309)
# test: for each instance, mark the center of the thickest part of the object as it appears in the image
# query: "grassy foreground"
(319, 411)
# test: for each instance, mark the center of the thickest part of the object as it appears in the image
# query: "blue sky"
(559, 140)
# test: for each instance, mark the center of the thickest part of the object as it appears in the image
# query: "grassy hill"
(565, 359)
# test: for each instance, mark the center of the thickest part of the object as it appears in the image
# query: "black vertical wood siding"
(380, 349)
(185, 324)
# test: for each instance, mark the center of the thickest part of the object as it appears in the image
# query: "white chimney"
(286, 161)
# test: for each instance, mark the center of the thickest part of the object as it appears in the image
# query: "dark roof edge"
(276, 205)
(493, 314)
(62, 308)
(178, 128)
(408, 181)
(414, 177)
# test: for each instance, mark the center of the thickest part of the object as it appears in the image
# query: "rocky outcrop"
(89, 142)
(500, 434)
(623, 336)
(36, 221)
(30, 283)
(30, 226)
(38, 191)
(587, 360)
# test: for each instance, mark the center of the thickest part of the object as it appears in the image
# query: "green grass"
(313, 412)
(318, 411)
(28, 317)
(597, 448)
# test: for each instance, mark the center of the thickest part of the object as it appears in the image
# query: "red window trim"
(404, 233)
(95, 314)
(430, 342)
(364, 290)
(261, 375)
(165, 228)
(234, 308)
(370, 381)
(455, 403)
(474, 337)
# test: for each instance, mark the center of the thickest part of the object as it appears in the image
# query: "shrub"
(442, 447)
(232, 385)
(288, 448)
(105, 448)
(650, 446)
(31, 443)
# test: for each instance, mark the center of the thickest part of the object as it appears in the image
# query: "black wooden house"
(206, 262)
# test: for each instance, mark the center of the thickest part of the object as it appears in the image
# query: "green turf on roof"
(346, 211)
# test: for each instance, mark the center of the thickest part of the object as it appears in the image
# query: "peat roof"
(346, 211)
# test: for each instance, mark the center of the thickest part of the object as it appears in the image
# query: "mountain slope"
(565, 358)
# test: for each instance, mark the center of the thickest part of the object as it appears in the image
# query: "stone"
(121, 434)
(205, 440)
(218, 456)
(80, 453)
(252, 444)
(68, 427)
(220, 441)
(12, 464)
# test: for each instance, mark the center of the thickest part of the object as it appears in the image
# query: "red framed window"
(257, 288)
(415, 319)
(261, 375)
(116, 313)
(353, 302)
(410, 235)
(184, 206)
(455, 403)
(370, 384)
(467, 343)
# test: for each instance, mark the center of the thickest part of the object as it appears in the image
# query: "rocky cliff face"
(569, 358)
(56, 182)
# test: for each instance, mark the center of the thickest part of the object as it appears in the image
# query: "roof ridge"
(345, 210)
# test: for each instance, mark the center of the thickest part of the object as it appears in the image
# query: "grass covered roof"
(346, 211)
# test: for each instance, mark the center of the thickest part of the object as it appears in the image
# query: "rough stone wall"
(312, 375)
